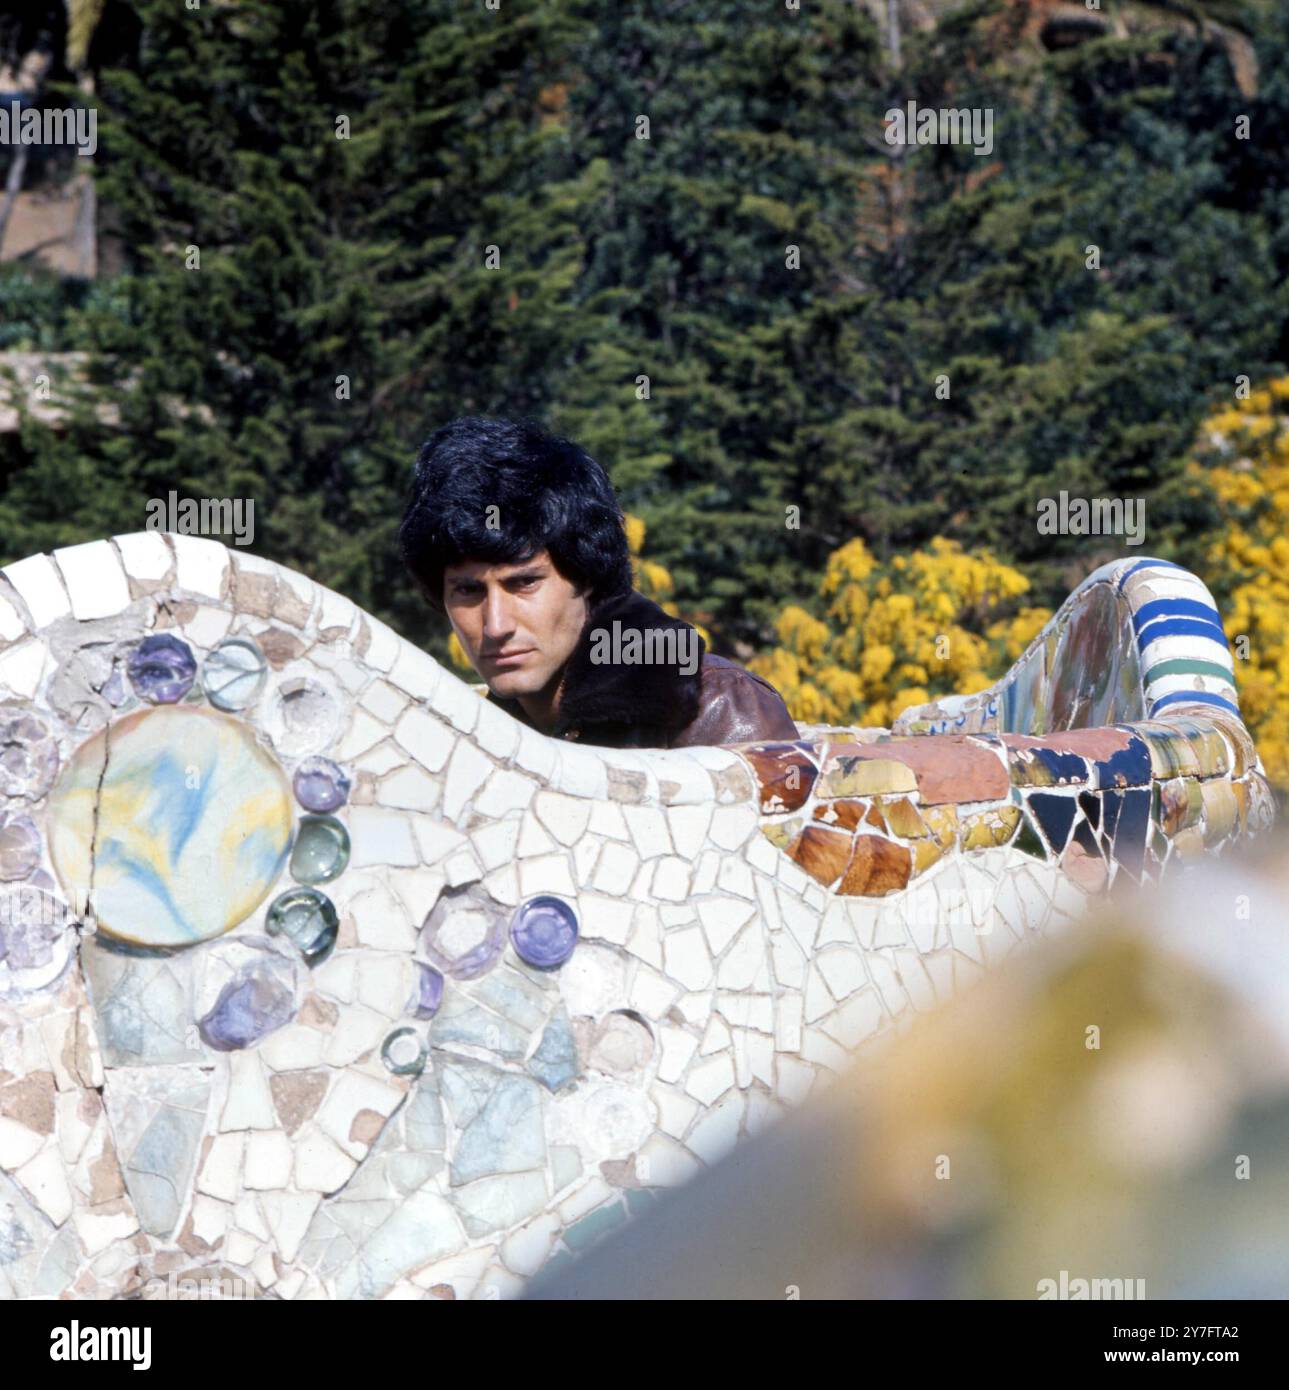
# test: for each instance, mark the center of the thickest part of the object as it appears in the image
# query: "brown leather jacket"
(614, 699)
(735, 706)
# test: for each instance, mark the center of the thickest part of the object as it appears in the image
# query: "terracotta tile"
(944, 768)
(846, 814)
(785, 773)
(1094, 744)
(878, 866)
(822, 853)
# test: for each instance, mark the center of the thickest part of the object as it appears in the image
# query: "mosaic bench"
(322, 977)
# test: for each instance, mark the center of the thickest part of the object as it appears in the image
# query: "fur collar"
(615, 704)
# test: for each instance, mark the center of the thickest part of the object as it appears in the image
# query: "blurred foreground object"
(1112, 1107)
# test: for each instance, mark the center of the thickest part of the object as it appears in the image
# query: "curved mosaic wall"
(321, 975)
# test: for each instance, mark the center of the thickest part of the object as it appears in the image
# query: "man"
(517, 536)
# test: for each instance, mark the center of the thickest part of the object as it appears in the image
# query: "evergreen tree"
(494, 236)
(300, 309)
(723, 243)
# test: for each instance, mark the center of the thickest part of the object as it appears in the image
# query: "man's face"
(518, 623)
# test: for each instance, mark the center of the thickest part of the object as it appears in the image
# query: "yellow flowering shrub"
(1243, 453)
(457, 652)
(653, 580)
(932, 623)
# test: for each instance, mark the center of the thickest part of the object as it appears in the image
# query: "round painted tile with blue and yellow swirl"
(192, 829)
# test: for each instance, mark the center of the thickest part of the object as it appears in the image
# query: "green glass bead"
(306, 917)
(404, 1052)
(234, 674)
(321, 850)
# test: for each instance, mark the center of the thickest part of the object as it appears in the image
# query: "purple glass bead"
(320, 785)
(544, 931)
(427, 994)
(162, 669)
(250, 1007)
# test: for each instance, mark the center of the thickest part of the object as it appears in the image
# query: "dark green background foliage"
(663, 258)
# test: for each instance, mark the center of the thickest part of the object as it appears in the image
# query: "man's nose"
(498, 620)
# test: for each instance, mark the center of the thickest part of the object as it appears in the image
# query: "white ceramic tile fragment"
(11, 622)
(144, 554)
(566, 817)
(410, 789)
(380, 837)
(40, 587)
(201, 565)
(467, 771)
(95, 581)
(21, 668)
(426, 738)
(454, 701)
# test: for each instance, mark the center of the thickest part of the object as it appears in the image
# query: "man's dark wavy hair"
(549, 493)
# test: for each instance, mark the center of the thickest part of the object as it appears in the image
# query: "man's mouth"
(503, 661)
